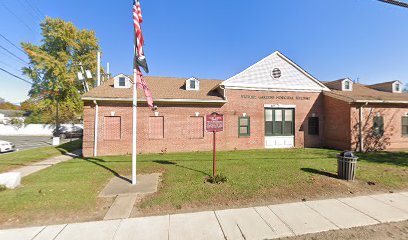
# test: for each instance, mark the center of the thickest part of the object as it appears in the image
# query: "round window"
(276, 73)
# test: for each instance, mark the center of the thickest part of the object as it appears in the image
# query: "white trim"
(282, 139)
(116, 81)
(324, 88)
(156, 100)
(381, 101)
(343, 85)
(272, 89)
(196, 85)
(401, 86)
(279, 106)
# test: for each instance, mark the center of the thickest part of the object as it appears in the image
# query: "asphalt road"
(27, 142)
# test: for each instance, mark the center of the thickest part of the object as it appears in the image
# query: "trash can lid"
(347, 154)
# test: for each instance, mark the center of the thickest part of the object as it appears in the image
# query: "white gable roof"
(259, 76)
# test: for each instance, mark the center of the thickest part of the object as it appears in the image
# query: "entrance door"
(279, 128)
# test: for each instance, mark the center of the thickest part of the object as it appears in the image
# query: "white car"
(6, 146)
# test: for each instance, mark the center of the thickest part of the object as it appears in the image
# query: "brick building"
(272, 104)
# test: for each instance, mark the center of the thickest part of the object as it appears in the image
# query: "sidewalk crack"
(59, 232)
(242, 233)
(287, 225)
(38, 233)
(219, 223)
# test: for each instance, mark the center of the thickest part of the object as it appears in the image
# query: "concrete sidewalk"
(37, 166)
(266, 222)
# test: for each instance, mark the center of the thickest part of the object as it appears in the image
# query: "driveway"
(27, 142)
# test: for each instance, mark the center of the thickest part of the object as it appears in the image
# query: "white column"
(98, 69)
(134, 130)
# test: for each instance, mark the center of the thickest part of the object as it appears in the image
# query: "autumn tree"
(56, 90)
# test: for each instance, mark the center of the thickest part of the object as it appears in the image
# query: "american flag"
(139, 58)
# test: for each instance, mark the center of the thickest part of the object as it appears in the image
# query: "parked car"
(68, 132)
(6, 146)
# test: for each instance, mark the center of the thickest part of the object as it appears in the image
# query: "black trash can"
(346, 165)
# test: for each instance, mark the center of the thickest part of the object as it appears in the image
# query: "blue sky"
(216, 39)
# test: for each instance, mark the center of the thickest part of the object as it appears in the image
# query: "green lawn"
(20, 158)
(68, 191)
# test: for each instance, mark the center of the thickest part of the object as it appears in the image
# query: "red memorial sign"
(214, 122)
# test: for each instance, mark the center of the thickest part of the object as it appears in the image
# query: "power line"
(15, 15)
(11, 74)
(17, 47)
(395, 2)
(36, 9)
(11, 53)
(28, 10)
(10, 66)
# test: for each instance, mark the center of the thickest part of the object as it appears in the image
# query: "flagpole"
(134, 111)
(134, 129)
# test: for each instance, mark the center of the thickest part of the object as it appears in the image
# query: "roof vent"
(276, 73)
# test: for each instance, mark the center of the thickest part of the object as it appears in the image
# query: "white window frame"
(116, 81)
(343, 85)
(394, 86)
(196, 85)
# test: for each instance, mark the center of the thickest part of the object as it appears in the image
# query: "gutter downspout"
(96, 129)
(360, 128)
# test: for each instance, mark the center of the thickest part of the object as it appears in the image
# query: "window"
(313, 126)
(156, 127)
(279, 122)
(192, 84)
(243, 126)
(347, 85)
(122, 82)
(196, 127)
(405, 126)
(397, 87)
(378, 126)
(112, 128)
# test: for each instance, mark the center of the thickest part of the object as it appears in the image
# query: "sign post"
(214, 123)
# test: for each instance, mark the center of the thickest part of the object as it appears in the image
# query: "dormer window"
(121, 81)
(193, 84)
(397, 87)
(347, 85)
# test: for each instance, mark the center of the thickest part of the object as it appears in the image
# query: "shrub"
(217, 179)
(2, 188)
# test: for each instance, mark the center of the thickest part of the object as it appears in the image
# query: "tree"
(55, 93)
(8, 105)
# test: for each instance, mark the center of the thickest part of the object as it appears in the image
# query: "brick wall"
(337, 127)
(179, 135)
(392, 138)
